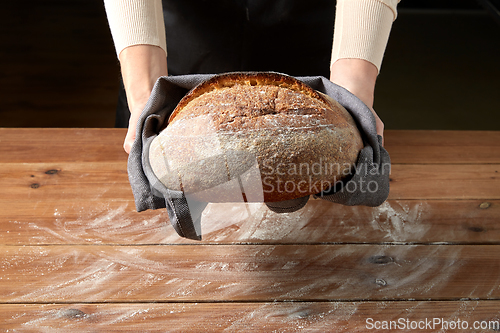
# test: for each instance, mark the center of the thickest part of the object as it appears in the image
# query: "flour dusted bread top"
(255, 137)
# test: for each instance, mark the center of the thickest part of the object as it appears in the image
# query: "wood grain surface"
(75, 255)
(253, 317)
(201, 273)
(109, 221)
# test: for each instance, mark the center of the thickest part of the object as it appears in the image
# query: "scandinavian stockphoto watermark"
(431, 324)
(315, 176)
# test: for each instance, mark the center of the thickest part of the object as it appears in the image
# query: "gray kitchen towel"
(369, 185)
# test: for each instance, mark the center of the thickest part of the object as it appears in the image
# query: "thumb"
(131, 132)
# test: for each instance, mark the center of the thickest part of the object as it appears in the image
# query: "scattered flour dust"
(215, 217)
(394, 221)
(296, 317)
(250, 221)
(100, 224)
(402, 221)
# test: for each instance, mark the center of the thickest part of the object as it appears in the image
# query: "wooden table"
(75, 255)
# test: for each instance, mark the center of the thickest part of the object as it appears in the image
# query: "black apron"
(215, 36)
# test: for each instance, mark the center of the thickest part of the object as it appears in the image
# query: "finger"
(379, 125)
(129, 140)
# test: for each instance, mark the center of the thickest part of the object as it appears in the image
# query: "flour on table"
(401, 221)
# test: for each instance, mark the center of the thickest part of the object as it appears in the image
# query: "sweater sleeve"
(134, 22)
(362, 29)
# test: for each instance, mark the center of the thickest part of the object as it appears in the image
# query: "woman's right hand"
(358, 76)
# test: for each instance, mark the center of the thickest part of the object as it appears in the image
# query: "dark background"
(58, 67)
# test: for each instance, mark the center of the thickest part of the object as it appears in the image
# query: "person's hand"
(358, 76)
(141, 66)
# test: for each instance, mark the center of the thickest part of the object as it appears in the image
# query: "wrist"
(141, 66)
(356, 75)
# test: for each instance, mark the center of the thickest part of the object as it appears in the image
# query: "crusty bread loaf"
(255, 137)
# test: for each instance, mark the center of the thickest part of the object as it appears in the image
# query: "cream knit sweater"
(361, 31)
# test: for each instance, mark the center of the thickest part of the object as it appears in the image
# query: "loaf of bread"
(255, 137)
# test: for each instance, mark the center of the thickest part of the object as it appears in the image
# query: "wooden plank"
(448, 138)
(59, 145)
(109, 180)
(82, 222)
(88, 145)
(51, 274)
(254, 317)
(459, 181)
(443, 147)
(117, 222)
(38, 182)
